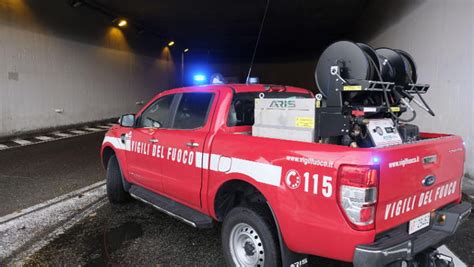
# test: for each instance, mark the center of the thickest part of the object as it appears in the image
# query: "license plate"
(419, 223)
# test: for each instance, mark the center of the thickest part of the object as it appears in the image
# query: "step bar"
(171, 207)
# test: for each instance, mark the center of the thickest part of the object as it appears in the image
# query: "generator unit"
(363, 94)
(289, 119)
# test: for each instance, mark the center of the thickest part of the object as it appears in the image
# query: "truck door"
(184, 142)
(144, 164)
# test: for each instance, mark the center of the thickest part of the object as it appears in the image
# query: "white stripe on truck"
(261, 172)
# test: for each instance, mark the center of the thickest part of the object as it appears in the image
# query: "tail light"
(358, 195)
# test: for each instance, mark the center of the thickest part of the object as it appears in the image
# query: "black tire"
(115, 187)
(258, 218)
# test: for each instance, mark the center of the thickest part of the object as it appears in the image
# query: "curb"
(40, 131)
(22, 141)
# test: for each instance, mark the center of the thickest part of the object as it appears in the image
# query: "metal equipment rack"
(337, 115)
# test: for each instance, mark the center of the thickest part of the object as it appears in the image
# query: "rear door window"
(193, 110)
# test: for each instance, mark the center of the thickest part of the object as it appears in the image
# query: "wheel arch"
(107, 153)
(236, 192)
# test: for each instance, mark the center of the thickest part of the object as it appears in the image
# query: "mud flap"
(288, 257)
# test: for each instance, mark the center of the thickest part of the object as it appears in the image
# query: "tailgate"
(418, 178)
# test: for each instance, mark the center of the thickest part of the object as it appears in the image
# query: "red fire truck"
(190, 153)
(341, 174)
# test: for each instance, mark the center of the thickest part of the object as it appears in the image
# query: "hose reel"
(359, 82)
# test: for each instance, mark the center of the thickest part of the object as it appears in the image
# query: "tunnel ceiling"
(230, 28)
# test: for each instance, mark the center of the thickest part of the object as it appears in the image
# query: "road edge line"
(21, 258)
(50, 202)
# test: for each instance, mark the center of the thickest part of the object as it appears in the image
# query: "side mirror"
(127, 120)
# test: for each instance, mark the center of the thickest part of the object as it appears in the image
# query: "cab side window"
(193, 110)
(157, 114)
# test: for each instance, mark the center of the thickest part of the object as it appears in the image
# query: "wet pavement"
(32, 174)
(462, 243)
(132, 234)
(136, 234)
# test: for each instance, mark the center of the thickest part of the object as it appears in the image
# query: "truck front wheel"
(115, 188)
(249, 238)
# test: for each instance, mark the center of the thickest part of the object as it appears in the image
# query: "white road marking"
(30, 229)
(77, 131)
(446, 251)
(20, 258)
(62, 134)
(93, 129)
(22, 142)
(49, 202)
(44, 138)
(74, 132)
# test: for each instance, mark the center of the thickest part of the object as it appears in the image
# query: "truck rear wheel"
(115, 188)
(249, 238)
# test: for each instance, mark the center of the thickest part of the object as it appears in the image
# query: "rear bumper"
(401, 246)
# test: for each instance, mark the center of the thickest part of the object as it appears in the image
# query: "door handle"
(153, 140)
(192, 144)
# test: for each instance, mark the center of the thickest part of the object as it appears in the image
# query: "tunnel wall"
(440, 36)
(48, 66)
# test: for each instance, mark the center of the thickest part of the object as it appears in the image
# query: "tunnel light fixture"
(171, 43)
(122, 23)
(75, 3)
(186, 50)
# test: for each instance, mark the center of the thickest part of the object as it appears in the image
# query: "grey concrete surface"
(33, 174)
(63, 66)
(439, 36)
(468, 189)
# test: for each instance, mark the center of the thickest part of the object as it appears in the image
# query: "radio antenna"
(258, 40)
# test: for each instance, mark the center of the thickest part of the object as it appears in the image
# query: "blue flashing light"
(199, 78)
(376, 160)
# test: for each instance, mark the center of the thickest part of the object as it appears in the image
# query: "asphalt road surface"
(132, 234)
(136, 234)
(32, 174)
